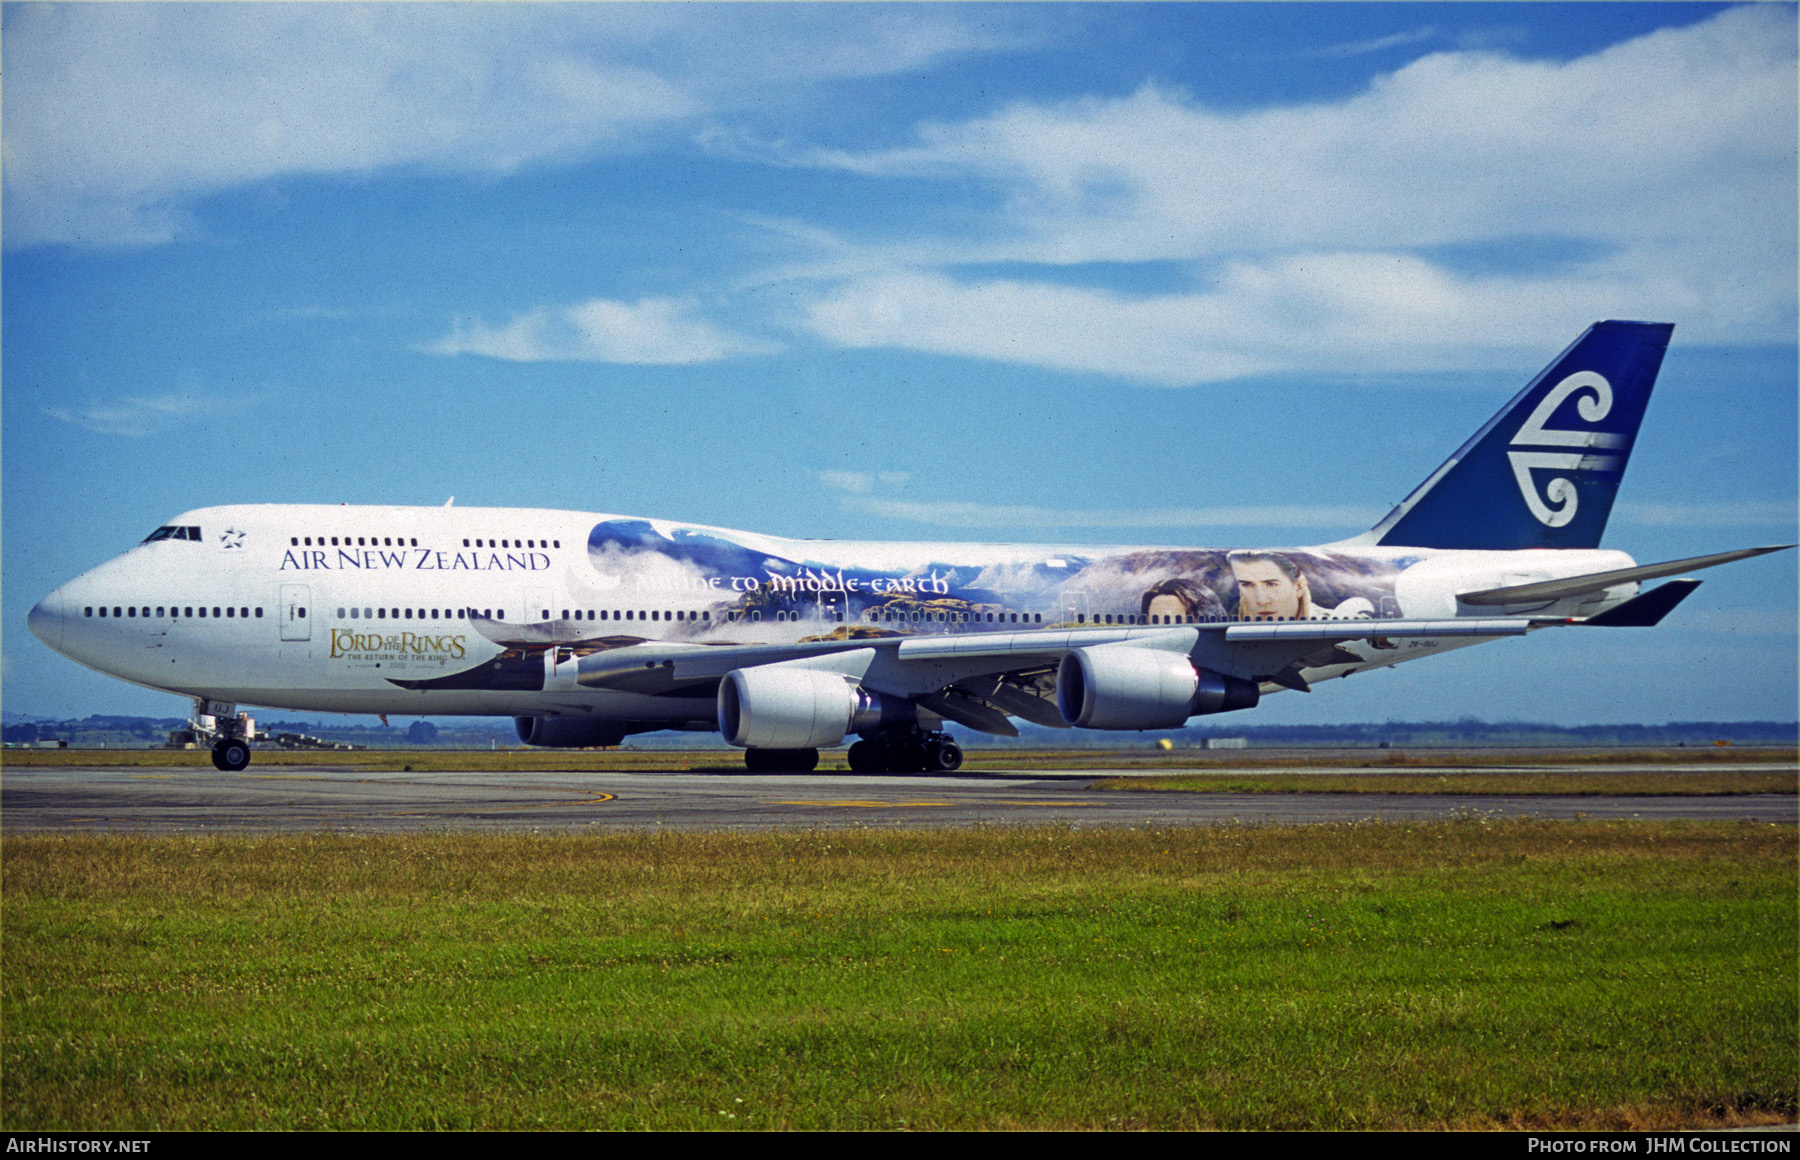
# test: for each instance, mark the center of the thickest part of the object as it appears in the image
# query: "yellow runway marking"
(594, 800)
(900, 805)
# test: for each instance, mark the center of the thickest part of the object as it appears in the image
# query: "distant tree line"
(482, 732)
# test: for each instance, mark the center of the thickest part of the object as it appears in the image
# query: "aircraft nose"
(46, 620)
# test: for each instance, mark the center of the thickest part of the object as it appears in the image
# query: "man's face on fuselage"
(1264, 590)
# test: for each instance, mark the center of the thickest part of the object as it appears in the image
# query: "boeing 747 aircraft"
(587, 627)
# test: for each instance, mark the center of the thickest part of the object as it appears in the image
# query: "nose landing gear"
(231, 755)
(229, 731)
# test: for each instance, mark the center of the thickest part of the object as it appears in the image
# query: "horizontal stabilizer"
(1595, 581)
(1648, 609)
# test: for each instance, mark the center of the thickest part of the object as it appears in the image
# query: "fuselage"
(473, 611)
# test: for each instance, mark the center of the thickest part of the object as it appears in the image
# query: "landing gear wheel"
(944, 756)
(231, 756)
(781, 760)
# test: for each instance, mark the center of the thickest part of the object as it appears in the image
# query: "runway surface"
(323, 798)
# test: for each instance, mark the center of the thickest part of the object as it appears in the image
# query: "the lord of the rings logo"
(346, 643)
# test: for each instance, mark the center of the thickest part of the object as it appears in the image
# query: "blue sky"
(1181, 274)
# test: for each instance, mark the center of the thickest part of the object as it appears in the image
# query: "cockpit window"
(174, 533)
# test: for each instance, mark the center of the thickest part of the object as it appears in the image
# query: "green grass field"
(1584, 783)
(1467, 974)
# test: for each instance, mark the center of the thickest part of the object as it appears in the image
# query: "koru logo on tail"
(1556, 506)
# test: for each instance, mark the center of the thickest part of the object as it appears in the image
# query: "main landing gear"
(893, 751)
(909, 752)
(781, 760)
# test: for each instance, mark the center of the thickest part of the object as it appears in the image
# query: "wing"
(981, 679)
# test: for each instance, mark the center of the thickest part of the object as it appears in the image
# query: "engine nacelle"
(772, 707)
(1125, 687)
(567, 732)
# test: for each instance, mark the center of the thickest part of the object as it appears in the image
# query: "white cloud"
(862, 482)
(119, 115)
(1455, 146)
(659, 331)
(136, 417)
(1340, 234)
(955, 514)
(859, 482)
(1365, 47)
(1339, 312)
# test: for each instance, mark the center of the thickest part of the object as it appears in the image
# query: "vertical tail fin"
(1543, 472)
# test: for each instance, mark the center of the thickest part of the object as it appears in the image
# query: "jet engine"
(773, 707)
(1125, 687)
(566, 732)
